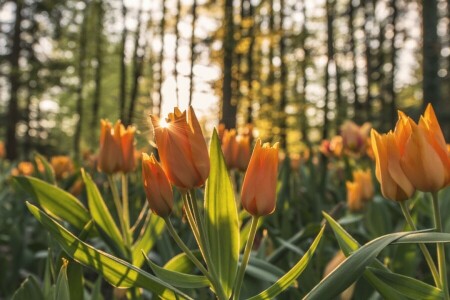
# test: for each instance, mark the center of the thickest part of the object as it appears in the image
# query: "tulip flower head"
(182, 149)
(62, 165)
(258, 193)
(364, 180)
(116, 148)
(157, 186)
(424, 158)
(395, 185)
(354, 196)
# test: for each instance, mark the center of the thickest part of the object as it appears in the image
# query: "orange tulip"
(424, 158)
(258, 193)
(364, 180)
(2, 150)
(395, 185)
(229, 147)
(116, 148)
(157, 186)
(354, 136)
(182, 149)
(62, 165)
(354, 196)
(243, 152)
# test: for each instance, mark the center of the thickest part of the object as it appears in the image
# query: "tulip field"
(232, 218)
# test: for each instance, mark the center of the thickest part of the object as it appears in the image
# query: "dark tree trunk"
(193, 55)
(138, 58)
(162, 29)
(431, 49)
(283, 83)
(79, 91)
(229, 108)
(391, 85)
(303, 65)
(330, 54)
(368, 16)
(14, 81)
(356, 104)
(123, 70)
(250, 69)
(177, 42)
(98, 71)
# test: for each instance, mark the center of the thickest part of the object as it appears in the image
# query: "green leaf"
(424, 237)
(96, 290)
(177, 279)
(118, 272)
(62, 283)
(75, 277)
(29, 289)
(49, 173)
(182, 263)
(101, 214)
(55, 201)
(151, 231)
(352, 268)
(263, 270)
(221, 218)
(410, 287)
(246, 230)
(289, 278)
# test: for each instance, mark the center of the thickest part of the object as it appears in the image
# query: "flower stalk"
(440, 246)
(245, 257)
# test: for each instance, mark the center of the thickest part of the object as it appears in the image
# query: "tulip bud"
(157, 186)
(364, 180)
(182, 149)
(394, 183)
(354, 196)
(229, 147)
(62, 165)
(116, 148)
(258, 193)
(243, 152)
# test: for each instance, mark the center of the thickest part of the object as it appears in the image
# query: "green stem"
(245, 258)
(126, 209)
(118, 204)
(422, 246)
(191, 221)
(204, 241)
(440, 246)
(188, 252)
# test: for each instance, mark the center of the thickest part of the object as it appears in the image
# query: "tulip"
(24, 168)
(2, 150)
(62, 165)
(116, 148)
(422, 149)
(182, 149)
(354, 196)
(157, 186)
(364, 180)
(258, 193)
(243, 152)
(354, 137)
(395, 185)
(229, 147)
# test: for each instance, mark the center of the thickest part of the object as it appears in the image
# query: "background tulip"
(258, 194)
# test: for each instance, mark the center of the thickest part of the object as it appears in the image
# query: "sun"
(163, 123)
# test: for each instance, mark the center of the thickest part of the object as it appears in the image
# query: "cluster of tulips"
(414, 156)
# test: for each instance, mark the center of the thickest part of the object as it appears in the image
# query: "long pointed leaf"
(151, 231)
(222, 226)
(177, 279)
(410, 287)
(284, 282)
(55, 201)
(118, 272)
(100, 212)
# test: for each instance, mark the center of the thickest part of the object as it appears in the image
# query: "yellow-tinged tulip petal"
(364, 179)
(182, 149)
(258, 193)
(110, 157)
(157, 186)
(394, 183)
(421, 163)
(354, 196)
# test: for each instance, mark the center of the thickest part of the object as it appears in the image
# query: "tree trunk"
(191, 71)
(304, 64)
(123, 70)
(162, 30)
(368, 14)
(177, 42)
(356, 104)
(14, 81)
(431, 49)
(330, 54)
(79, 91)
(98, 70)
(138, 57)
(229, 108)
(391, 85)
(283, 83)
